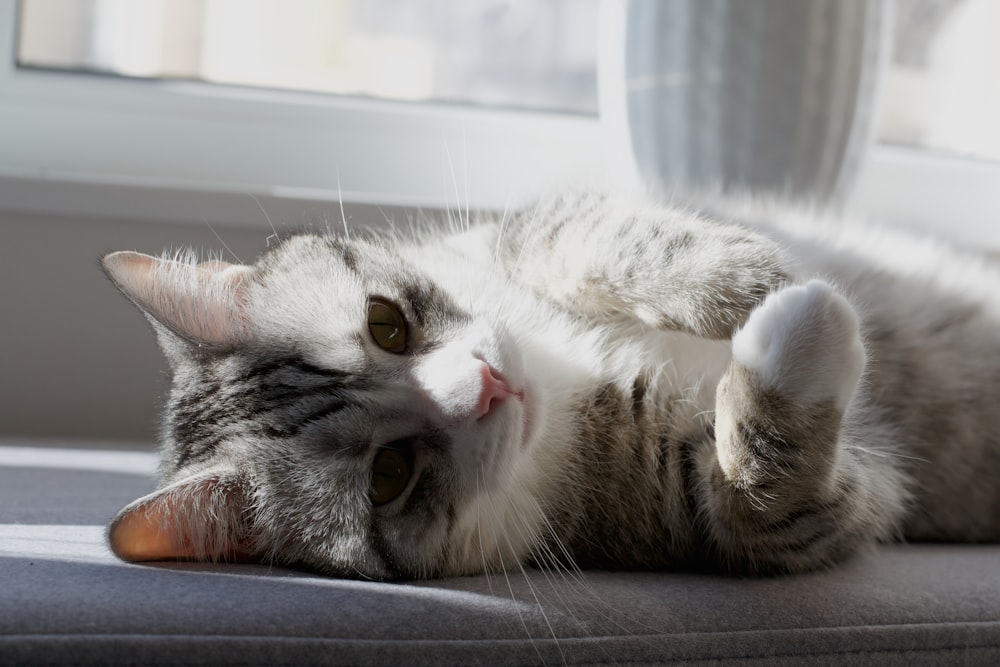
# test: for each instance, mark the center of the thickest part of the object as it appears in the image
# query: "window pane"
(533, 54)
(942, 89)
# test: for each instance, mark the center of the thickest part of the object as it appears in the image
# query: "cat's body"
(597, 380)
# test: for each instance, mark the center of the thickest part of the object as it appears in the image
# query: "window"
(175, 109)
(119, 104)
(936, 164)
(497, 53)
(942, 84)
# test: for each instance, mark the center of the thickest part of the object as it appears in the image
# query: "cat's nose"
(494, 391)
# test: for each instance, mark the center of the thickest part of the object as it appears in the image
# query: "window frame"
(95, 146)
(159, 149)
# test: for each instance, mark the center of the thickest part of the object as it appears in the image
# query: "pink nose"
(495, 391)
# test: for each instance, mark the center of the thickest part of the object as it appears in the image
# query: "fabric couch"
(64, 599)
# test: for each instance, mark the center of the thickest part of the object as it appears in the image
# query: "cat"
(605, 381)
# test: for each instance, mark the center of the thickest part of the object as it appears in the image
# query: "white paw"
(803, 341)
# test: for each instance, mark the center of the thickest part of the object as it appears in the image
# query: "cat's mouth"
(497, 392)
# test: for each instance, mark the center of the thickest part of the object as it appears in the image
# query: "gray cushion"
(65, 599)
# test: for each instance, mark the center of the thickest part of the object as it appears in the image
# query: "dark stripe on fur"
(264, 397)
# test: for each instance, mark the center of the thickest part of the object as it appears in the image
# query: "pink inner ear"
(196, 521)
(146, 534)
(203, 304)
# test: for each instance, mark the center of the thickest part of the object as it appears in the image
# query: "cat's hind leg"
(784, 490)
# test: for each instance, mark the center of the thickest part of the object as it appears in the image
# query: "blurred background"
(219, 124)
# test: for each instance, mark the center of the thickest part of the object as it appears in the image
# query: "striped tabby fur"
(595, 380)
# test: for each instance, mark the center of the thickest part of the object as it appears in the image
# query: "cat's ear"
(203, 517)
(202, 303)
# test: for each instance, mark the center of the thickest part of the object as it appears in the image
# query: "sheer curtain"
(766, 95)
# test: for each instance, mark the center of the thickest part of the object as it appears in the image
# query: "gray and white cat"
(597, 380)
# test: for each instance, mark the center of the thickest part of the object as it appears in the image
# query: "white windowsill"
(949, 196)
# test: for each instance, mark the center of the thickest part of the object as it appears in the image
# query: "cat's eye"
(391, 472)
(387, 325)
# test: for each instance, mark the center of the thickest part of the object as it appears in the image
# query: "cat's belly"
(650, 399)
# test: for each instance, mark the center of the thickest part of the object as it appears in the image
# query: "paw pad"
(804, 342)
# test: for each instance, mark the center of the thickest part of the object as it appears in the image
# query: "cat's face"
(334, 408)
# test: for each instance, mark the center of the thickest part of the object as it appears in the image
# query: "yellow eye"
(387, 325)
(391, 473)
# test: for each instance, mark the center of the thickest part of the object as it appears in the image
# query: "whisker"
(343, 215)
(386, 217)
(480, 476)
(224, 244)
(885, 453)
(510, 588)
(465, 167)
(274, 232)
(505, 220)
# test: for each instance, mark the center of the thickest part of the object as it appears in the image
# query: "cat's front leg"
(784, 489)
(668, 268)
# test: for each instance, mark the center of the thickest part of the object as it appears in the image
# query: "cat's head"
(332, 407)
